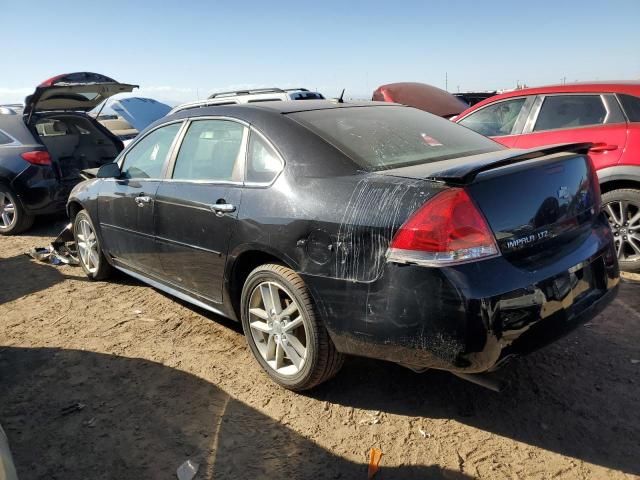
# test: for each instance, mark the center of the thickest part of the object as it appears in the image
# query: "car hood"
(80, 91)
(420, 95)
(140, 112)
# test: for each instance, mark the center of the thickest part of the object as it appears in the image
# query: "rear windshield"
(379, 138)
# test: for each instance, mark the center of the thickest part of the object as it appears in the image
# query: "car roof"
(630, 87)
(309, 105)
(247, 110)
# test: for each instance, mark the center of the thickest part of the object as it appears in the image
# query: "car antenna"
(340, 100)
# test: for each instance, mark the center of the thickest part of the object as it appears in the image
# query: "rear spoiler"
(464, 172)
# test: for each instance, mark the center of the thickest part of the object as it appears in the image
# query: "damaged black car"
(368, 229)
(47, 143)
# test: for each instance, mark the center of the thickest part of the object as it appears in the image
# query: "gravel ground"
(114, 380)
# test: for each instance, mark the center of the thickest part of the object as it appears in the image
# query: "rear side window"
(495, 120)
(264, 164)
(147, 157)
(570, 111)
(631, 106)
(211, 150)
(4, 138)
(383, 137)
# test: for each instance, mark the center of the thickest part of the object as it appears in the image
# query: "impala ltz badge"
(527, 240)
(563, 193)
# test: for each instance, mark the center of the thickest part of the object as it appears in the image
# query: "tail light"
(37, 157)
(446, 230)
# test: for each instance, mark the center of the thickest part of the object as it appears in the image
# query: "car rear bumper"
(472, 317)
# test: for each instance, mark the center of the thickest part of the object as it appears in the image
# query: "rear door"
(197, 207)
(576, 118)
(126, 205)
(503, 120)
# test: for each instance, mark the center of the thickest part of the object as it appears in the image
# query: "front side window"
(211, 150)
(263, 163)
(147, 157)
(570, 111)
(383, 137)
(495, 120)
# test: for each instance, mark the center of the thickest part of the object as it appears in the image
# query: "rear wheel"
(90, 254)
(622, 208)
(13, 218)
(283, 333)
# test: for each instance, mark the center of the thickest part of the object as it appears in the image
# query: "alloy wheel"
(277, 328)
(624, 218)
(87, 246)
(7, 211)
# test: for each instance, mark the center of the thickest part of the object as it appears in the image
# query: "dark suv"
(47, 143)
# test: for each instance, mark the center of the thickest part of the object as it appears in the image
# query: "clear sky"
(181, 50)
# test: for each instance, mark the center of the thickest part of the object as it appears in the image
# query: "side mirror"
(109, 170)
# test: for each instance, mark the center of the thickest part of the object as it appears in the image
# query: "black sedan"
(368, 229)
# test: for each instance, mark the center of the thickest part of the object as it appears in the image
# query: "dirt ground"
(114, 380)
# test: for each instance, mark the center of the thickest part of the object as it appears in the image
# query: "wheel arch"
(243, 263)
(73, 207)
(619, 176)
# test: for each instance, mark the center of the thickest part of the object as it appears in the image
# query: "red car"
(606, 114)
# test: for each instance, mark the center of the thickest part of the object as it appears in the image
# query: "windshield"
(379, 138)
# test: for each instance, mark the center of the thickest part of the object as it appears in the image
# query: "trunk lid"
(534, 201)
(80, 91)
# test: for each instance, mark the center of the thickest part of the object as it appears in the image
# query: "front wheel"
(90, 254)
(622, 208)
(283, 333)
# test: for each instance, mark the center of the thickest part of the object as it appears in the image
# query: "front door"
(503, 121)
(126, 205)
(196, 209)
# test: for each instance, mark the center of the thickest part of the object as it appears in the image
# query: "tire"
(620, 206)
(95, 265)
(13, 217)
(321, 360)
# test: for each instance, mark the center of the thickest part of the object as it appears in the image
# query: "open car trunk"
(75, 142)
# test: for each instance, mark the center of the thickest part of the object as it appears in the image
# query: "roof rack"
(256, 90)
(247, 92)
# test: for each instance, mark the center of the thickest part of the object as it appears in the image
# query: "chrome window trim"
(531, 122)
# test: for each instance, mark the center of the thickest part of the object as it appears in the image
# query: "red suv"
(606, 114)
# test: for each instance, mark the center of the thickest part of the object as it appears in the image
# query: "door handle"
(141, 200)
(602, 147)
(222, 208)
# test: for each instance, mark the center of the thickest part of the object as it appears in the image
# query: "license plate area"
(575, 289)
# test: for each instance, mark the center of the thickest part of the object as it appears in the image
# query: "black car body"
(346, 209)
(45, 145)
